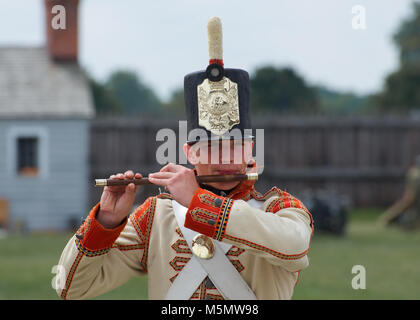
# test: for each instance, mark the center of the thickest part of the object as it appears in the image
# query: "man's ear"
(190, 153)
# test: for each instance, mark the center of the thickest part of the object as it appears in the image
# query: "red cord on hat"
(218, 61)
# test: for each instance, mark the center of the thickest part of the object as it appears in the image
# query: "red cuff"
(93, 237)
(208, 214)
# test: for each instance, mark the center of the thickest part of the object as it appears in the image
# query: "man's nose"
(226, 155)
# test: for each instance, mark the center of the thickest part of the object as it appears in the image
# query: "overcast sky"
(164, 40)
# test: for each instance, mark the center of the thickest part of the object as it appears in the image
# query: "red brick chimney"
(62, 43)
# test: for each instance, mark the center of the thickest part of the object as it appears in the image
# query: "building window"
(27, 156)
(27, 151)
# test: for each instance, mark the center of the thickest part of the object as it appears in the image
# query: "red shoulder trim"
(274, 191)
(208, 213)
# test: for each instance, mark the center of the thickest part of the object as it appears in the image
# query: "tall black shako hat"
(217, 100)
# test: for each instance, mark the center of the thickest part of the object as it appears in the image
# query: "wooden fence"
(362, 159)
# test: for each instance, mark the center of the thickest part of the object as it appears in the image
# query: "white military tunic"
(270, 244)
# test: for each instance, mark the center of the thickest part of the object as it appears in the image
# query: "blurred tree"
(402, 87)
(105, 102)
(281, 90)
(132, 94)
(176, 104)
(401, 93)
(407, 39)
(332, 102)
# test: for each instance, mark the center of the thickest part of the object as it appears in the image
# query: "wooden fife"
(200, 179)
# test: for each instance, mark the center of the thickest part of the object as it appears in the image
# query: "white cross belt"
(219, 269)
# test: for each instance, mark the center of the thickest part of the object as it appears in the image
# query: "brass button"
(217, 202)
(202, 246)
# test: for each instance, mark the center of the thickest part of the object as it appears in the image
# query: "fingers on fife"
(128, 175)
(173, 175)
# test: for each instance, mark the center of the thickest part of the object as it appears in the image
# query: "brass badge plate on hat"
(218, 105)
(202, 246)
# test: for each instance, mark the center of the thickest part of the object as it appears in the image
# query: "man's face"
(220, 158)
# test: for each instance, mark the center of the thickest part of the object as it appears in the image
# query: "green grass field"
(390, 256)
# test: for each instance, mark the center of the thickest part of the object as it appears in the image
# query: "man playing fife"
(219, 240)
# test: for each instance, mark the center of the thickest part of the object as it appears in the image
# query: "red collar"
(242, 191)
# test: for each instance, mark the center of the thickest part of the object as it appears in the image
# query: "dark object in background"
(329, 211)
(74, 223)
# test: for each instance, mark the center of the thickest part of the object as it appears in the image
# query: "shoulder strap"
(219, 269)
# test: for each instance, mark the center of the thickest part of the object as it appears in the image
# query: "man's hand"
(117, 201)
(178, 180)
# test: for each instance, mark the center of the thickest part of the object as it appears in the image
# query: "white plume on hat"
(215, 38)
